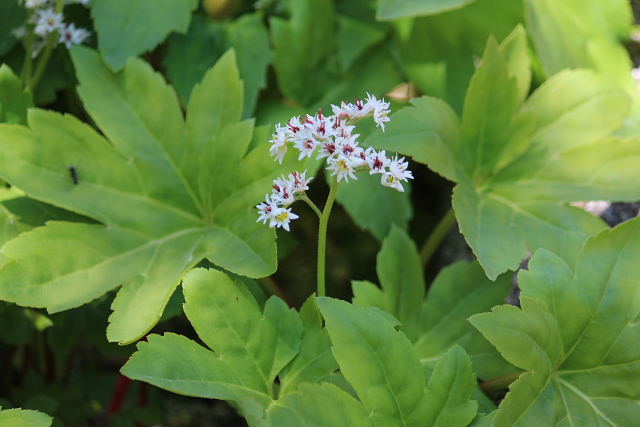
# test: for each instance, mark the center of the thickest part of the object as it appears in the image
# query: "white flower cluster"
(45, 22)
(332, 138)
(285, 189)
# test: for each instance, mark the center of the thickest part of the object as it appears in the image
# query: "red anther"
(308, 144)
(377, 164)
(359, 104)
(292, 127)
(276, 187)
(330, 148)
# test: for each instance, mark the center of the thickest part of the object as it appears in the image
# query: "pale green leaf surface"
(256, 346)
(157, 200)
(517, 163)
(177, 364)
(378, 361)
(14, 100)
(319, 405)
(315, 361)
(23, 418)
(400, 273)
(459, 291)
(436, 323)
(428, 131)
(449, 392)
(393, 9)
(579, 326)
(128, 28)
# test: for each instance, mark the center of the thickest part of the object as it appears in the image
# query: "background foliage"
(517, 108)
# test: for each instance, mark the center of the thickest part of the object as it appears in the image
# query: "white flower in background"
(266, 210)
(377, 162)
(331, 138)
(47, 22)
(398, 168)
(299, 181)
(306, 146)
(43, 21)
(380, 110)
(34, 4)
(278, 148)
(341, 167)
(19, 32)
(283, 191)
(390, 180)
(281, 218)
(70, 35)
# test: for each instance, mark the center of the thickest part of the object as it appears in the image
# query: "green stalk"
(322, 237)
(499, 383)
(435, 238)
(312, 205)
(52, 41)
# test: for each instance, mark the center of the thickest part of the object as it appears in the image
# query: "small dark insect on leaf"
(74, 174)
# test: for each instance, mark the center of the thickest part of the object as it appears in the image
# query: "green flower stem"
(28, 59)
(435, 238)
(322, 237)
(499, 383)
(312, 205)
(52, 41)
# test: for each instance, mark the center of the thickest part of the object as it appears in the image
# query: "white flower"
(351, 112)
(34, 4)
(299, 181)
(281, 217)
(342, 167)
(283, 191)
(266, 210)
(306, 146)
(377, 162)
(278, 148)
(398, 168)
(70, 35)
(47, 22)
(19, 32)
(327, 149)
(389, 180)
(380, 110)
(319, 126)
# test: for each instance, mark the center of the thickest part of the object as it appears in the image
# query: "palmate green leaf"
(23, 418)
(206, 41)
(314, 362)
(436, 323)
(393, 9)
(355, 37)
(383, 369)
(14, 100)
(517, 164)
(127, 28)
(167, 191)
(449, 42)
(321, 404)
(301, 46)
(576, 336)
(250, 347)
